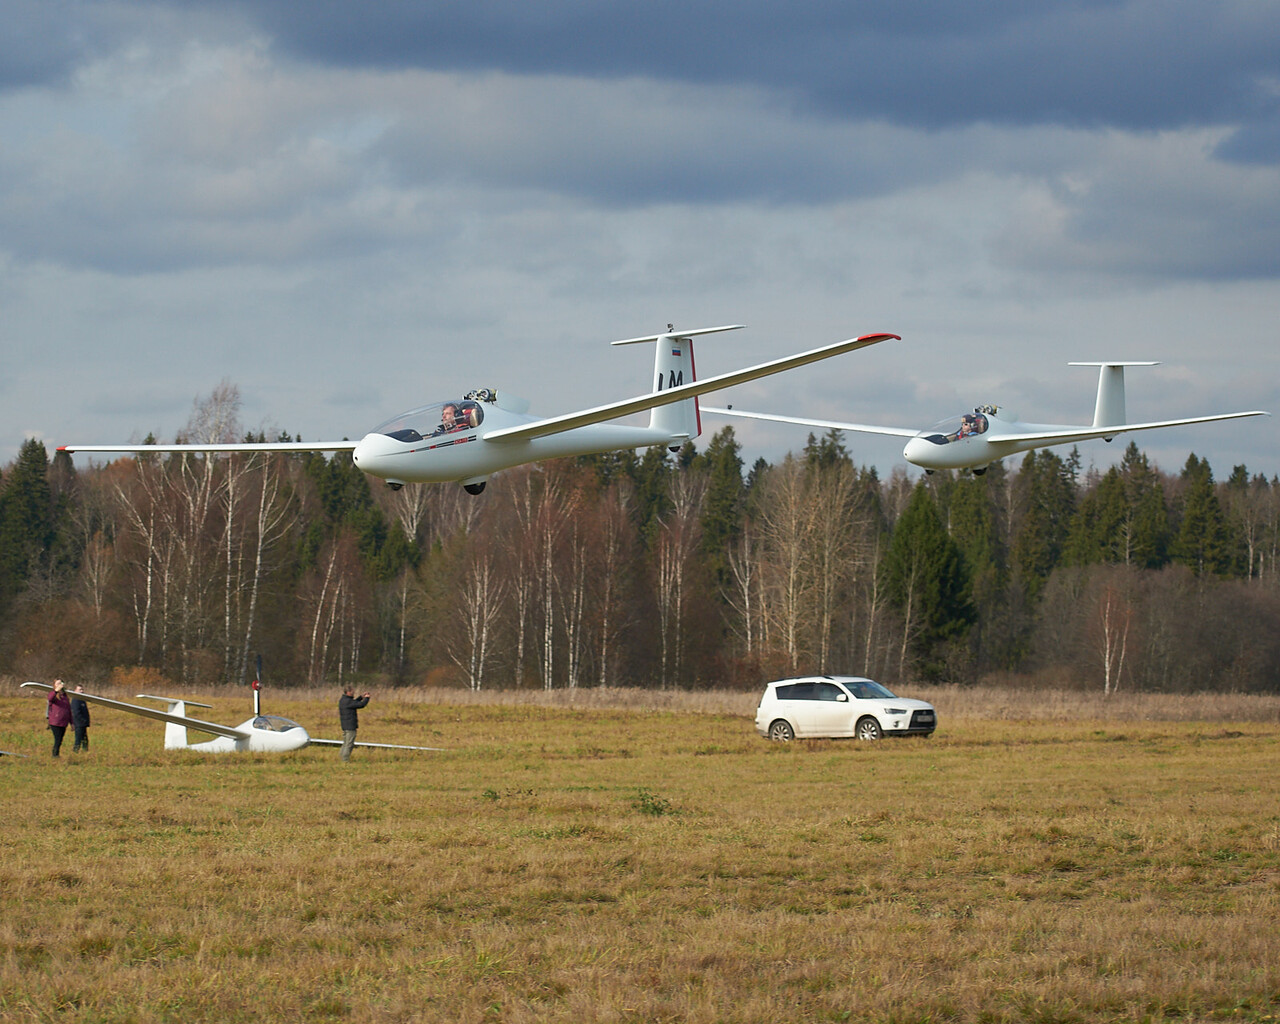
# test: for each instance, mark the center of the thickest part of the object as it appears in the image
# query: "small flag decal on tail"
(675, 351)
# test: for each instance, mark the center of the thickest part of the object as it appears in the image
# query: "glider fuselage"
(409, 449)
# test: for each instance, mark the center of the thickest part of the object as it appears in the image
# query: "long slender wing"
(159, 716)
(269, 446)
(558, 424)
(864, 428)
(1066, 434)
(383, 746)
(11, 753)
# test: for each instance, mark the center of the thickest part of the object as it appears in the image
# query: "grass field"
(632, 857)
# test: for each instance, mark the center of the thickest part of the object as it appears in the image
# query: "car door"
(795, 704)
(831, 714)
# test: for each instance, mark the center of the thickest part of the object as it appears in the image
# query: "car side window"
(829, 691)
(796, 691)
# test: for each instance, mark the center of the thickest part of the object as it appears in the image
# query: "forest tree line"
(645, 568)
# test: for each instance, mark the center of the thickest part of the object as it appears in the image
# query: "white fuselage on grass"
(264, 734)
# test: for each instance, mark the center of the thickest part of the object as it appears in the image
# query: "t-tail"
(673, 367)
(175, 736)
(1109, 410)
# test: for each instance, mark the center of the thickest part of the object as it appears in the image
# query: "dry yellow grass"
(633, 856)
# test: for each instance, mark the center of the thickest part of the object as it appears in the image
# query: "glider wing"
(159, 716)
(864, 428)
(601, 413)
(1066, 434)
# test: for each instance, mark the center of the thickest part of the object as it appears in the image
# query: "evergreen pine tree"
(26, 520)
(924, 577)
(722, 508)
(1202, 543)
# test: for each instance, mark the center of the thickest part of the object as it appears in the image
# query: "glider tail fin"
(1109, 410)
(673, 367)
(175, 736)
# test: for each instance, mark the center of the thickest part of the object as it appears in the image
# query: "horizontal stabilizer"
(863, 428)
(673, 333)
(174, 700)
(558, 424)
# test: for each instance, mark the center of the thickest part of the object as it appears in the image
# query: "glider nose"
(917, 451)
(373, 455)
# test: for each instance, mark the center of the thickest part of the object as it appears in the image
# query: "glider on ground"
(974, 440)
(484, 431)
(260, 734)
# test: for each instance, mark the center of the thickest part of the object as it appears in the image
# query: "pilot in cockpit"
(455, 416)
(448, 420)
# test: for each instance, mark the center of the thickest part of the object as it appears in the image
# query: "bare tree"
(785, 526)
(271, 524)
(830, 504)
(743, 595)
(677, 541)
(476, 611)
(614, 546)
(1115, 615)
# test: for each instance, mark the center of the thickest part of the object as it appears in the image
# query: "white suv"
(839, 706)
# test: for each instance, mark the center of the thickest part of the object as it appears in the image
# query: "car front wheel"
(869, 729)
(781, 731)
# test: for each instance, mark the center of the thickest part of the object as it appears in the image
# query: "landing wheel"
(474, 488)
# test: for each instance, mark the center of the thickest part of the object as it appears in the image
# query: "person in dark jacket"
(59, 714)
(349, 717)
(80, 721)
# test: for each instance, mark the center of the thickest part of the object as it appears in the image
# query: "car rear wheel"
(781, 731)
(869, 729)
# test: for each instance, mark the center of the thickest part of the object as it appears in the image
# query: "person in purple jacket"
(59, 714)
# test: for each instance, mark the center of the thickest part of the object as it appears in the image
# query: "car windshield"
(865, 689)
(957, 428)
(434, 420)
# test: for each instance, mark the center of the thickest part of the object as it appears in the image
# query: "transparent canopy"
(956, 428)
(433, 420)
(275, 723)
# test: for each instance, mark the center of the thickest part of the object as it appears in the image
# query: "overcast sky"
(348, 210)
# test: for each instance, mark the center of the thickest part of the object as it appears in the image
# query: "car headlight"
(895, 711)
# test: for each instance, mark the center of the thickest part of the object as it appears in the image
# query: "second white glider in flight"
(974, 440)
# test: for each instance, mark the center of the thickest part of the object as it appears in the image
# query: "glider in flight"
(473, 436)
(974, 440)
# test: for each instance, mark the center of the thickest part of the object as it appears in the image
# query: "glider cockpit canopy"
(451, 417)
(957, 428)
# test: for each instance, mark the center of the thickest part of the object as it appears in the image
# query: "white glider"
(975, 440)
(469, 438)
(260, 734)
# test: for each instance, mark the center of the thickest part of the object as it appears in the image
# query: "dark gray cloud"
(1134, 64)
(43, 42)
